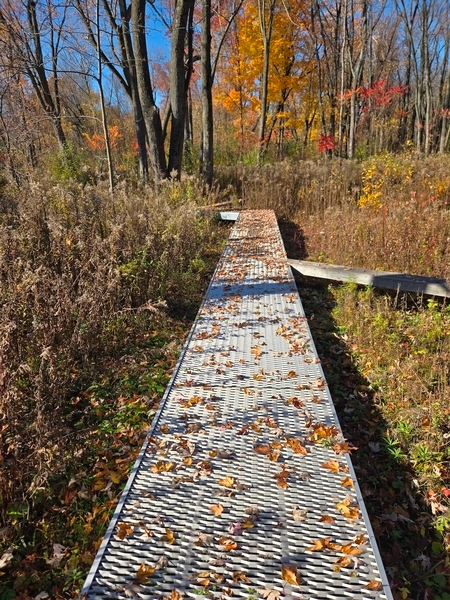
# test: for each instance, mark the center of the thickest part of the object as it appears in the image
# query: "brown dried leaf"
(162, 467)
(273, 455)
(332, 465)
(227, 481)
(123, 530)
(319, 545)
(204, 539)
(168, 537)
(346, 508)
(281, 480)
(291, 574)
(299, 514)
(238, 576)
(347, 482)
(343, 561)
(374, 585)
(217, 509)
(351, 549)
(256, 351)
(269, 594)
(144, 572)
(326, 519)
(296, 446)
(227, 544)
(176, 595)
(261, 448)
(252, 510)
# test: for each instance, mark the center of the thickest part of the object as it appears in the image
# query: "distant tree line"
(343, 77)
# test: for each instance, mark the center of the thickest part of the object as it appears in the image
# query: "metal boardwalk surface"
(243, 487)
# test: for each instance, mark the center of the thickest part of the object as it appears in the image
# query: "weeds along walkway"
(244, 487)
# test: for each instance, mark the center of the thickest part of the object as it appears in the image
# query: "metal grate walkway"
(243, 487)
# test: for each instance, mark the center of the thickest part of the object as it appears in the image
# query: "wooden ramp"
(243, 488)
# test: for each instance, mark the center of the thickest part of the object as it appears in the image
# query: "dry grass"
(81, 273)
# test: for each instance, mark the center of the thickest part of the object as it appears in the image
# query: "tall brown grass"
(81, 272)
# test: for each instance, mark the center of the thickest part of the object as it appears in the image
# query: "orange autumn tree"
(240, 75)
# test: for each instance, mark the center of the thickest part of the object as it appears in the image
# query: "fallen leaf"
(331, 465)
(349, 511)
(203, 578)
(351, 549)
(326, 519)
(168, 537)
(261, 448)
(281, 481)
(347, 482)
(256, 351)
(319, 545)
(6, 558)
(161, 563)
(252, 510)
(228, 544)
(217, 509)
(144, 572)
(343, 447)
(299, 514)
(164, 429)
(123, 530)
(296, 446)
(238, 576)
(204, 539)
(227, 592)
(269, 594)
(248, 523)
(162, 467)
(343, 561)
(292, 374)
(235, 528)
(291, 574)
(374, 585)
(58, 554)
(131, 590)
(176, 595)
(226, 481)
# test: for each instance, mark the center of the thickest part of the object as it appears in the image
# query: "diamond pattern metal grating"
(230, 496)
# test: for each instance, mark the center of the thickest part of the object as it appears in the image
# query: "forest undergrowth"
(97, 294)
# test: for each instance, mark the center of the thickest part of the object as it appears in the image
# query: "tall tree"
(150, 111)
(266, 13)
(207, 150)
(181, 60)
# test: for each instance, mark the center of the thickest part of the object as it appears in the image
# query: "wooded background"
(242, 79)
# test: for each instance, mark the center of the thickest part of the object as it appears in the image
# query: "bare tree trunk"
(266, 11)
(207, 156)
(130, 73)
(150, 111)
(102, 103)
(178, 88)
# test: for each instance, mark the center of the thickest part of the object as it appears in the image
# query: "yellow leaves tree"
(241, 79)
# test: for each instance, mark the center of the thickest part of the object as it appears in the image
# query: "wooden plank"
(431, 286)
(229, 215)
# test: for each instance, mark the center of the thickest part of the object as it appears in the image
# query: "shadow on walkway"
(400, 518)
